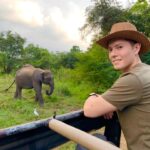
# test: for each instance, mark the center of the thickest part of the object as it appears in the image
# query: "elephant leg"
(36, 97)
(38, 91)
(18, 93)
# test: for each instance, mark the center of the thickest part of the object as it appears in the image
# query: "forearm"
(96, 106)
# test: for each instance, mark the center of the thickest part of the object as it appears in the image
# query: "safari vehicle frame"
(37, 135)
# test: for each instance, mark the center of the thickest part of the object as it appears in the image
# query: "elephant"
(29, 77)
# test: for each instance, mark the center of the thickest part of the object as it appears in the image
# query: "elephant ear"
(42, 75)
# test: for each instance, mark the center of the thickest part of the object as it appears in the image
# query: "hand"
(108, 115)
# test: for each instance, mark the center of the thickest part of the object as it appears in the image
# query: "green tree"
(38, 57)
(93, 66)
(139, 14)
(11, 48)
(75, 49)
(69, 59)
(101, 15)
(104, 13)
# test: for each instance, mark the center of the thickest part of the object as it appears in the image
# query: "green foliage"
(101, 16)
(139, 6)
(40, 56)
(69, 86)
(69, 59)
(13, 54)
(11, 48)
(94, 67)
(146, 58)
(139, 14)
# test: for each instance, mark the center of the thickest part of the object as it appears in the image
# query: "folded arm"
(96, 105)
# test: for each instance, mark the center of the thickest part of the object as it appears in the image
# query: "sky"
(51, 24)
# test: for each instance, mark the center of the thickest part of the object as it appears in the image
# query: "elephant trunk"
(51, 88)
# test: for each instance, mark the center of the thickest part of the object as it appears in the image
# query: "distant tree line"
(14, 54)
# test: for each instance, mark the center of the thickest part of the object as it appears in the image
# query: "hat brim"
(127, 34)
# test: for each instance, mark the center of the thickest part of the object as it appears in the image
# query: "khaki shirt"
(131, 95)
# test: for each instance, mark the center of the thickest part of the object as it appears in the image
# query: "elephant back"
(28, 65)
(26, 70)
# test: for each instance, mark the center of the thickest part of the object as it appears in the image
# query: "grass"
(67, 96)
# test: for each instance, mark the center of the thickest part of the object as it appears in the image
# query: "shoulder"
(127, 90)
(130, 80)
(139, 75)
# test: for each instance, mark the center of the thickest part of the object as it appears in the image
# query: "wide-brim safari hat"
(125, 30)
